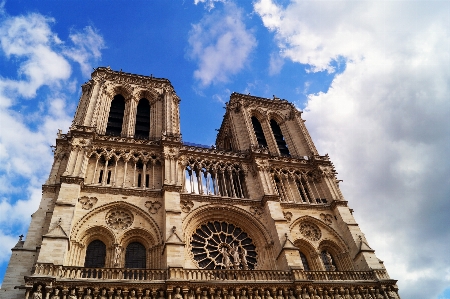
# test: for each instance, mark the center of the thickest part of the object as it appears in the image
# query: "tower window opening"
(100, 176)
(142, 128)
(108, 178)
(147, 179)
(116, 113)
(260, 138)
(281, 143)
(139, 181)
(303, 190)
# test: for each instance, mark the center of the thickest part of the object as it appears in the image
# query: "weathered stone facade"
(129, 211)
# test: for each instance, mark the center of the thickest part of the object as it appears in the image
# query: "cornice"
(219, 199)
(154, 193)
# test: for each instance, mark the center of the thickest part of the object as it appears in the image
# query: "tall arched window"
(304, 261)
(95, 255)
(135, 256)
(303, 190)
(281, 143)
(260, 138)
(142, 129)
(328, 261)
(115, 119)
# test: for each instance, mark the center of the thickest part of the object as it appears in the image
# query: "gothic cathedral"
(130, 211)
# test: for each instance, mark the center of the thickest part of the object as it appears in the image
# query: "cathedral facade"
(130, 211)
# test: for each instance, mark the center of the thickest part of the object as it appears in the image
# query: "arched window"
(281, 143)
(304, 261)
(303, 190)
(142, 129)
(95, 255)
(260, 138)
(115, 119)
(135, 256)
(328, 261)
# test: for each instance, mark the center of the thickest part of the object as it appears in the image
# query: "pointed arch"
(259, 133)
(142, 126)
(279, 138)
(116, 114)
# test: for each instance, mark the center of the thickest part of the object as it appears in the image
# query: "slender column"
(199, 181)
(290, 188)
(92, 104)
(239, 185)
(144, 177)
(95, 169)
(304, 190)
(191, 180)
(134, 175)
(207, 182)
(105, 173)
(233, 192)
(125, 172)
(115, 172)
(153, 174)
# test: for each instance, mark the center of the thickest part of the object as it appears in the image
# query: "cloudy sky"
(373, 80)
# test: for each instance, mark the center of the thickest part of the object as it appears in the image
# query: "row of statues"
(239, 258)
(305, 293)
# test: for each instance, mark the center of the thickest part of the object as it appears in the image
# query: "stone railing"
(70, 272)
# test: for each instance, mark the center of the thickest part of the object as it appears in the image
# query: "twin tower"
(130, 211)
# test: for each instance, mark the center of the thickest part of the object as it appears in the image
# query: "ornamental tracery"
(310, 231)
(119, 219)
(222, 245)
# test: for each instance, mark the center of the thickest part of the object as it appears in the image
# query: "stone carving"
(147, 295)
(287, 216)
(257, 211)
(55, 294)
(177, 294)
(235, 248)
(310, 231)
(153, 206)
(186, 205)
(327, 218)
(118, 294)
(119, 219)
(103, 294)
(117, 254)
(72, 294)
(88, 294)
(87, 202)
(132, 295)
(38, 293)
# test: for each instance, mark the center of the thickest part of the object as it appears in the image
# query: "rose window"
(119, 219)
(310, 231)
(222, 245)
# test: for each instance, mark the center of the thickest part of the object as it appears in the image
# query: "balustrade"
(69, 272)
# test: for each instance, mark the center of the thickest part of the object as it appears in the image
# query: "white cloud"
(87, 48)
(30, 115)
(384, 121)
(221, 44)
(209, 4)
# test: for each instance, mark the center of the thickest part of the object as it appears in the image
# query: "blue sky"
(371, 77)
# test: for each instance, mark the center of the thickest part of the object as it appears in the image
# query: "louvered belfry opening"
(135, 256)
(260, 138)
(142, 129)
(281, 143)
(95, 255)
(116, 113)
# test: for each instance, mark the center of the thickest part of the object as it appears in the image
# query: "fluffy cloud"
(221, 44)
(384, 121)
(30, 114)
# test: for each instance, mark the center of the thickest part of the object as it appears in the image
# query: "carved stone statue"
(191, 294)
(330, 261)
(316, 296)
(226, 257)
(291, 295)
(347, 294)
(88, 294)
(161, 295)
(257, 296)
(367, 294)
(55, 294)
(72, 294)
(280, 294)
(231, 295)
(218, 294)
(147, 295)
(177, 294)
(132, 295)
(325, 295)
(392, 294)
(236, 259)
(243, 294)
(118, 294)
(244, 258)
(204, 295)
(268, 296)
(377, 294)
(357, 295)
(38, 293)
(336, 294)
(117, 253)
(103, 294)
(305, 294)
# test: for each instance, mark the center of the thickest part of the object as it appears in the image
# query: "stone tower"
(130, 211)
